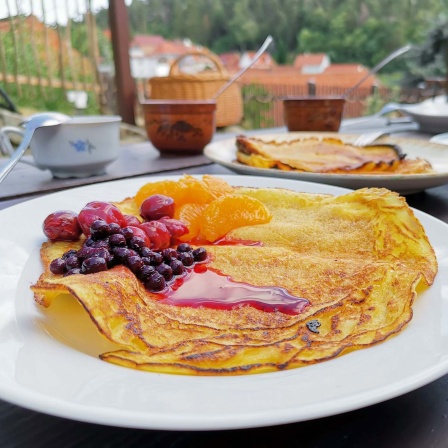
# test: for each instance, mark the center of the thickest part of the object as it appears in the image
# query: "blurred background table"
(417, 419)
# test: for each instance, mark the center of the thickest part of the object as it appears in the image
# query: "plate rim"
(61, 408)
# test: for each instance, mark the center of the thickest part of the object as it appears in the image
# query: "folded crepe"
(356, 259)
(326, 155)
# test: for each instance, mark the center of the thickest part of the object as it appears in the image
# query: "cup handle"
(5, 143)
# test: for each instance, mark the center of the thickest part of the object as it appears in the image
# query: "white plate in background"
(224, 153)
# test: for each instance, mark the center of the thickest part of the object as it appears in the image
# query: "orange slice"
(188, 189)
(230, 212)
(194, 191)
(169, 188)
(190, 215)
(216, 186)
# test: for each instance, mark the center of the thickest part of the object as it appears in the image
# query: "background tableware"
(257, 56)
(440, 138)
(313, 113)
(31, 124)
(325, 113)
(224, 153)
(80, 147)
(179, 126)
(179, 85)
(431, 114)
(379, 66)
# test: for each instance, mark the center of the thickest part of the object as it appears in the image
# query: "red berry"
(141, 233)
(175, 227)
(131, 220)
(99, 210)
(157, 206)
(62, 225)
(158, 234)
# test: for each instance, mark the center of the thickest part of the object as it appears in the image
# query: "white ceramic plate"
(49, 363)
(224, 153)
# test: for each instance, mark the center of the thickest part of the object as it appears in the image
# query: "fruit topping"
(184, 247)
(199, 254)
(158, 234)
(175, 227)
(93, 264)
(132, 247)
(230, 212)
(99, 229)
(177, 267)
(131, 220)
(62, 225)
(57, 266)
(157, 206)
(99, 210)
(165, 270)
(155, 283)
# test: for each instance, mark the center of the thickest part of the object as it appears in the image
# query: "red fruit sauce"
(205, 287)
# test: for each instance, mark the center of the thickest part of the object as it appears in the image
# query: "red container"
(313, 113)
(179, 126)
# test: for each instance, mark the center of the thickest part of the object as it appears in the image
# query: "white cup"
(80, 147)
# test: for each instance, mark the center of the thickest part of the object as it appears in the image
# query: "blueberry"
(69, 253)
(57, 266)
(104, 243)
(186, 258)
(177, 267)
(99, 229)
(169, 255)
(156, 258)
(134, 263)
(114, 228)
(127, 232)
(72, 262)
(184, 247)
(93, 265)
(165, 270)
(146, 272)
(121, 254)
(199, 254)
(117, 240)
(136, 243)
(145, 251)
(86, 252)
(155, 282)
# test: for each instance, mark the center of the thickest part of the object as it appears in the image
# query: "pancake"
(356, 259)
(327, 155)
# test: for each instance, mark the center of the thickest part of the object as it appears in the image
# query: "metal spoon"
(257, 56)
(379, 66)
(32, 123)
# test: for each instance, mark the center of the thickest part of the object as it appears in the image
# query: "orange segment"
(230, 212)
(216, 186)
(190, 215)
(194, 191)
(169, 188)
(188, 189)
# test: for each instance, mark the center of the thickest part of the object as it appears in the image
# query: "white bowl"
(81, 147)
(431, 114)
(440, 138)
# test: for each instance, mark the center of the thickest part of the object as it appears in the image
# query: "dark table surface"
(416, 419)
